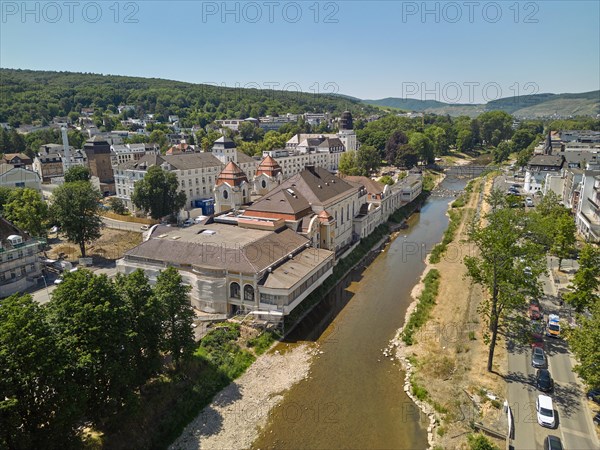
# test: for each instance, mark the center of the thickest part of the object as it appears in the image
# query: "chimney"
(67, 152)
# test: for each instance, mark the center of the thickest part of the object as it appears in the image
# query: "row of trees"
(83, 356)
(508, 242)
(29, 144)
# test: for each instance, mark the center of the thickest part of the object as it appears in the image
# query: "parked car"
(528, 201)
(553, 328)
(145, 227)
(545, 411)
(188, 223)
(596, 419)
(544, 381)
(534, 312)
(552, 443)
(537, 334)
(527, 271)
(538, 358)
(594, 395)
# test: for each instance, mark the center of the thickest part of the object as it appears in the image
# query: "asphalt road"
(119, 225)
(574, 424)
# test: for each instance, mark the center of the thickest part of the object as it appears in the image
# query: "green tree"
(439, 139)
(586, 281)
(367, 159)
(423, 146)
(158, 193)
(406, 156)
(522, 139)
(76, 210)
(495, 121)
(117, 205)
(386, 179)
(502, 151)
(145, 317)
(89, 318)
(584, 341)
(37, 405)
(564, 238)
(480, 442)
(392, 145)
(28, 211)
(499, 269)
(348, 164)
(464, 141)
(178, 315)
(4, 195)
(77, 173)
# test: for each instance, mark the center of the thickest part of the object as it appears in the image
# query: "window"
(248, 293)
(263, 183)
(234, 290)
(225, 194)
(20, 184)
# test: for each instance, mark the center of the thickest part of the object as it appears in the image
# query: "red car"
(534, 312)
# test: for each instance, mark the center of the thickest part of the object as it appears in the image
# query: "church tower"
(232, 189)
(268, 176)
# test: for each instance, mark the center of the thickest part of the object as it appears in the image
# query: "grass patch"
(426, 301)
(472, 335)
(418, 391)
(439, 249)
(262, 342)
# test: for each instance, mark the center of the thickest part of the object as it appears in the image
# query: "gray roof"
(186, 161)
(317, 185)
(230, 247)
(149, 159)
(547, 160)
(280, 202)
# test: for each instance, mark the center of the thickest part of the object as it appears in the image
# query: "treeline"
(29, 96)
(29, 144)
(83, 357)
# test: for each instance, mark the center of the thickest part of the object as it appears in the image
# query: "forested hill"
(29, 96)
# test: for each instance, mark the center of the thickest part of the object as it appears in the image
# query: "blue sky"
(453, 53)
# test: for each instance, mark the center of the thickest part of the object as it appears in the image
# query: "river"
(354, 396)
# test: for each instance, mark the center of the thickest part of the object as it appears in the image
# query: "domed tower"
(232, 189)
(268, 176)
(346, 121)
(346, 133)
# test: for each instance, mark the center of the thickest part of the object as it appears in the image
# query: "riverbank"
(236, 414)
(445, 371)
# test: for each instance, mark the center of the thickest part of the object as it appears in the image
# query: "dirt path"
(237, 413)
(449, 357)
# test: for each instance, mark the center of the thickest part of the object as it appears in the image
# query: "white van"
(545, 411)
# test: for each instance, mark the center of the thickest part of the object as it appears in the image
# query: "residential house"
(588, 207)
(20, 264)
(537, 168)
(16, 160)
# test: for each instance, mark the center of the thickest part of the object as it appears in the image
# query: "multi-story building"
(588, 207)
(50, 161)
(538, 167)
(130, 152)
(20, 265)
(14, 177)
(16, 160)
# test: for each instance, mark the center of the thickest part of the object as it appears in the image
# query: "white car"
(545, 411)
(528, 201)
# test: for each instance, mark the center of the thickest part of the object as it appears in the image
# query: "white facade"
(14, 177)
(588, 208)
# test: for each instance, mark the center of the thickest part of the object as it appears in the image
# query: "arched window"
(234, 290)
(263, 183)
(248, 293)
(243, 192)
(225, 194)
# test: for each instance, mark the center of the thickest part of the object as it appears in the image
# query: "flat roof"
(294, 270)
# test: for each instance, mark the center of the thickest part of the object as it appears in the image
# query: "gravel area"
(234, 418)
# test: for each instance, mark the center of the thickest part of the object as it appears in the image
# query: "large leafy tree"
(178, 315)
(397, 139)
(347, 165)
(406, 156)
(144, 316)
(89, 318)
(564, 238)
(37, 405)
(27, 210)
(158, 193)
(464, 140)
(76, 210)
(367, 159)
(423, 146)
(498, 122)
(499, 269)
(77, 173)
(586, 281)
(584, 341)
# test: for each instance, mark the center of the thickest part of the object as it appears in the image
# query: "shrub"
(117, 206)
(480, 442)
(425, 302)
(262, 342)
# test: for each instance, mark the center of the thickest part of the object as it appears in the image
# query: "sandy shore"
(234, 418)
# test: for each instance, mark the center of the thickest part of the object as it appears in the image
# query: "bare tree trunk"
(492, 344)
(82, 249)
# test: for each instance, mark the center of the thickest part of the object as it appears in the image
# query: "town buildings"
(98, 152)
(122, 153)
(588, 206)
(20, 265)
(14, 177)
(50, 161)
(16, 160)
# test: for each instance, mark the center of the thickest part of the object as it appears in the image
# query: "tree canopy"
(158, 193)
(27, 210)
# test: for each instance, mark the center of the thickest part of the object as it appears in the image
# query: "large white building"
(588, 207)
(122, 153)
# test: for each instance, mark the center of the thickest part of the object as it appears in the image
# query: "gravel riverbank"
(237, 413)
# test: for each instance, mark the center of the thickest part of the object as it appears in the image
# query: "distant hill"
(538, 105)
(29, 95)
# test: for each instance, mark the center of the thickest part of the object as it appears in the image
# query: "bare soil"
(450, 357)
(111, 245)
